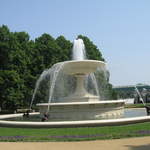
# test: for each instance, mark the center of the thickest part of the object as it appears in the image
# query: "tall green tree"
(11, 86)
(65, 46)
(47, 47)
(4, 46)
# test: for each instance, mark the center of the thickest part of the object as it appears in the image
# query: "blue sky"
(120, 28)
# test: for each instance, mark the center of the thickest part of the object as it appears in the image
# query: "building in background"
(126, 92)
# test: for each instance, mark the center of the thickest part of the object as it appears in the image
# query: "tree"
(65, 47)
(4, 46)
(48, 49)
(11, 86)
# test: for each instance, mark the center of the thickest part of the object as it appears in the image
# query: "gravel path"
(142, 143)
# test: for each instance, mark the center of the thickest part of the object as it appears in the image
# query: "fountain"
(79, 105)
(69, 94)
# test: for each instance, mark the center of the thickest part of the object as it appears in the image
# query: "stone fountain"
(79, 105)
(72, 97)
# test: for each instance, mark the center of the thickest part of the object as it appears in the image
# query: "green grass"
(135, 105)
(74, 134)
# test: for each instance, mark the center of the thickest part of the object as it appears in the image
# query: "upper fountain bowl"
(82, 67)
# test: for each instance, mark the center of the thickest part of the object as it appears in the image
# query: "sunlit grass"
(74, 134)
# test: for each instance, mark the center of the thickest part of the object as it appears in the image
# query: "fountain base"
(83, 110)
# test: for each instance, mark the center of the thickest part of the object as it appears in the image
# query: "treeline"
(22, 60)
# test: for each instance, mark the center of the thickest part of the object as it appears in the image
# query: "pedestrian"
(45, 117)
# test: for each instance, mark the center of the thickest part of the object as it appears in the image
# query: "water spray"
(139, 95)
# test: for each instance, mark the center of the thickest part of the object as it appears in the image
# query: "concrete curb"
(62, 124)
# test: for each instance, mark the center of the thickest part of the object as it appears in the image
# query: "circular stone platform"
(62, 124)
(83, 110)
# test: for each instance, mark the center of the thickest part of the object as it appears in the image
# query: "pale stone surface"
(142, 143)
(84, 123)
(82, 67)
(15, 115)
(83, 110)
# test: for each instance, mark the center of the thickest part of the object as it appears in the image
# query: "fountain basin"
(131, 119)
(82, 67)
(83, 123)
(83, 110)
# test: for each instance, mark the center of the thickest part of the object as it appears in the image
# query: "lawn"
(136, 105)
(74, 134)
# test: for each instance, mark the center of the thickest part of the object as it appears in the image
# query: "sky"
(120, 29)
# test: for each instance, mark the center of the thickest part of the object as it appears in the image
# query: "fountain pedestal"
(80, 69)
(80, 94)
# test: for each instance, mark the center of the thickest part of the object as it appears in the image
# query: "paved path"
(119, 144)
